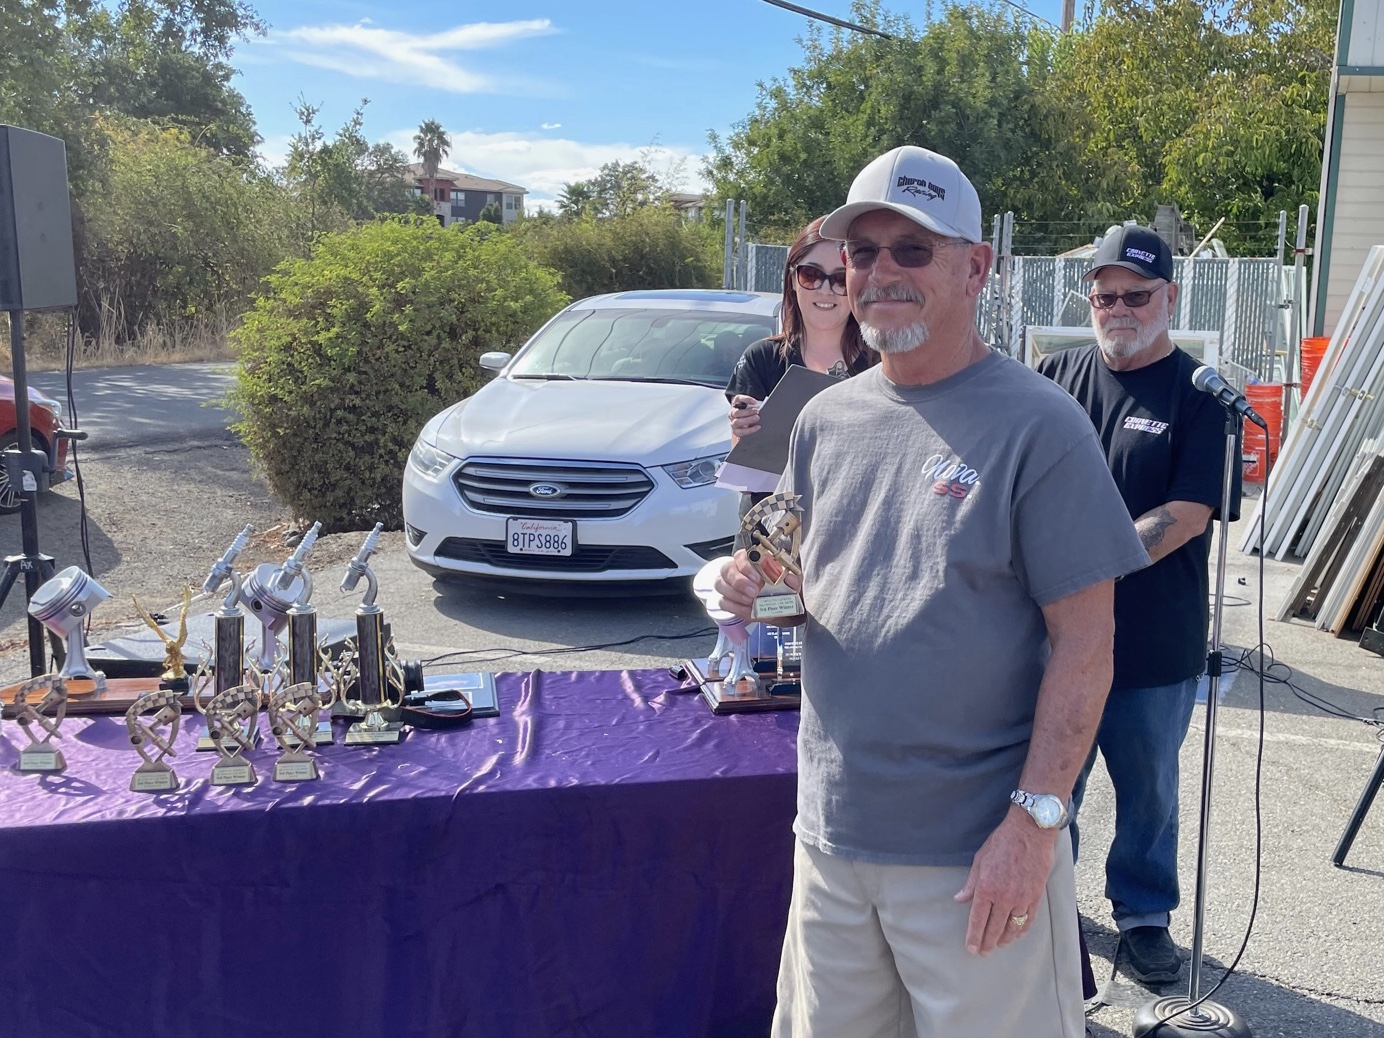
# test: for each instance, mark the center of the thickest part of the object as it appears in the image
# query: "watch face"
(1047, 811)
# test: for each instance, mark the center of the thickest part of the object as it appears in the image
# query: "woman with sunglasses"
(819, 331)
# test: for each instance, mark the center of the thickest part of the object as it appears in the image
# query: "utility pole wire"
(808, 13)
(828, 18)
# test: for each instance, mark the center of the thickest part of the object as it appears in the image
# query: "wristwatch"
(1046, 810)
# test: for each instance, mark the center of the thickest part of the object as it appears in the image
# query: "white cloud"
(551, 126)
(414, 59)
(544, 164)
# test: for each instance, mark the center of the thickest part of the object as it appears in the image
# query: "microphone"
(1207, 380)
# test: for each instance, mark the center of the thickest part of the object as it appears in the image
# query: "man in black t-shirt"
(1165, 443)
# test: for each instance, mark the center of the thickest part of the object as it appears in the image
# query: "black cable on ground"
(506, 652)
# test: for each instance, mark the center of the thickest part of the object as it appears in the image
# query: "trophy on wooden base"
(62, 605)
(292, 721)
(379, 674)
(174, 677)
(152, 721)
(772, 532)
(233, 721)
(46, 716)
(727, 676)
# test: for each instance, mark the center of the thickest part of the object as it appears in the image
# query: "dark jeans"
(1140, 735)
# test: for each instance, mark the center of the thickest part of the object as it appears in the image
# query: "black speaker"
(37, 269)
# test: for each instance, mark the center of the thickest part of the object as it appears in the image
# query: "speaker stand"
(28, 470)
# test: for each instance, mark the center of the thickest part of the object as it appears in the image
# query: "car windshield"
(642, 345)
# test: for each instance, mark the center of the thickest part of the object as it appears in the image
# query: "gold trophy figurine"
(174, 677)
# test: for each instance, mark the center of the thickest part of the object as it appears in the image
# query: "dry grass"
(45, 344)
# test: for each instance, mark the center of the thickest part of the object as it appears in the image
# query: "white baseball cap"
(928, 188)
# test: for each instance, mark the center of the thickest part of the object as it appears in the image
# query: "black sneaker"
(1152, 956)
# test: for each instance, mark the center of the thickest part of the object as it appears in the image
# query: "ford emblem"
(545, 490)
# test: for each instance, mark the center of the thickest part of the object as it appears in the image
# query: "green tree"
(1218, 108)
(652, 247)
(619, 189)
(973, 84)
(180, 233)
(347, 354)
(491, 213)
(431, 145)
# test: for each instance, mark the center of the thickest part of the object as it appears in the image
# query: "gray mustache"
(892, 292)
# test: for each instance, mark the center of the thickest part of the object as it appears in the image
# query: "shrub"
(350, 352)
(652, 247)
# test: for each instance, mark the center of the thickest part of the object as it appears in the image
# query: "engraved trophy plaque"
(46, 716)
(152, 722)
(294, 709)
(174, 677)
(379, 674)
(62, 605)
(772, 531)
(233, 721)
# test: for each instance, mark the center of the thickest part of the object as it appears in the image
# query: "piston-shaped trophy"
(270, 592)
(772, 532)
(62, 605)
(729, 661)
(379, 675)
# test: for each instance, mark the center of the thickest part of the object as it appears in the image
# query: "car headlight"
(697, 473)
(51, 406)
(428, 460)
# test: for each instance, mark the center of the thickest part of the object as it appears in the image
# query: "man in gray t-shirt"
(960, 542)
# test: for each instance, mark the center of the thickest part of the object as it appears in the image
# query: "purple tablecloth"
(604, 859)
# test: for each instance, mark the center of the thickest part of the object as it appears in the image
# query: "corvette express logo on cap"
(921, 188)
(1140, 254)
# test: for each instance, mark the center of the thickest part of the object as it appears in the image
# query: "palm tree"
(576, 199)
(431, 145)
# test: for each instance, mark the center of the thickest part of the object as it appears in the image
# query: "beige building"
(1350, 213)
(460, 196)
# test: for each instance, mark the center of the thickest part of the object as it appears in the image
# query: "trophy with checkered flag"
(772, 532)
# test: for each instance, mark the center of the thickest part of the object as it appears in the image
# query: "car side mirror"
(494, 361)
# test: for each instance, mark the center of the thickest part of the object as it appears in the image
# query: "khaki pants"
(878, 951)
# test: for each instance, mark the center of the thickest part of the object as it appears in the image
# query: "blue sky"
(532, 92)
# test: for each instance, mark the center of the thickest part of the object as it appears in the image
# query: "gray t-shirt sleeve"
(1071, 529)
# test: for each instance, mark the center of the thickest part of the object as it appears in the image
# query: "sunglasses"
(861, 255)
(811, 278)
(1133, 300)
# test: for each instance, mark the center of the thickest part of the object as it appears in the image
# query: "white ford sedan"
(593, 456)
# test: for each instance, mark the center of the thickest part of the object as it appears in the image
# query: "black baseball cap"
(1134, 248)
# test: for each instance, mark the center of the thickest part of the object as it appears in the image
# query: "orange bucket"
(1313, 349)
(1267, 399)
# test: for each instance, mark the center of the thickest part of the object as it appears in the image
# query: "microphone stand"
(1177, 1015)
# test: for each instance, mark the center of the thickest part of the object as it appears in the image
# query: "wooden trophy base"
(85, 698)
(772, 693)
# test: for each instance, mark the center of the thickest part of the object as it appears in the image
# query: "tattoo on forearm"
(1152, 527)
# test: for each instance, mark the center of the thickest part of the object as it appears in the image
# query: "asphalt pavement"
(146, 404)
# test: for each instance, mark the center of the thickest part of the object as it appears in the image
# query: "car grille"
(587, 491)
(585, 558)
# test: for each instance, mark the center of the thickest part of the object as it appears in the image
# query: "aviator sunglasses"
(811, 278)
(861, 255)
(1133, 300)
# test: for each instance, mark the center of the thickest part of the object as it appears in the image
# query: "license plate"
(540, 536)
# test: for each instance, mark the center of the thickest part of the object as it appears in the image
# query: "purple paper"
(604, 858)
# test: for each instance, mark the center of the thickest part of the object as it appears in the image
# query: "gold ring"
(1018, 920)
